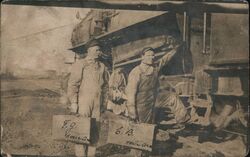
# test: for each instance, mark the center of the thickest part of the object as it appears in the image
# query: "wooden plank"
(137, 60)
(71, 128)
(126, 133)
(131, 49)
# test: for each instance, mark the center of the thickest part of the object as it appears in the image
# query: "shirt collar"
(91, 61)
(146, 69)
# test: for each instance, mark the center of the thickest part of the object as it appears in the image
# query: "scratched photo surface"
(124, 78)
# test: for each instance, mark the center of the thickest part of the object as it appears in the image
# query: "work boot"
(206, 134)
(211, 135)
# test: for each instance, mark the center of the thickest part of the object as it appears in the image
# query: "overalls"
(90, 92)
(145, 100)
(146, 95)
(90, 101)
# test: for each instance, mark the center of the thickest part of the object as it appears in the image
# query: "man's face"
(94, 52)
(148, 57)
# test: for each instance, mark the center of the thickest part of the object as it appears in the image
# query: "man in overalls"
(87, 84)
(142, 88)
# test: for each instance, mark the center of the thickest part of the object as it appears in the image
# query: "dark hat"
(146, 49)
(91, 43)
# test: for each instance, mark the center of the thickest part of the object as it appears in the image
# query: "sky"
(37, 39)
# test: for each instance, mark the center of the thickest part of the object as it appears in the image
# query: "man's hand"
(132, 117)
(117, 95)
(131, 112)
(73, 108)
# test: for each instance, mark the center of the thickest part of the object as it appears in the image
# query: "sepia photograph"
(132, 78)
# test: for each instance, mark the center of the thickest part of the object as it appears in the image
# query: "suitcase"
(130, 134)
(71, 128)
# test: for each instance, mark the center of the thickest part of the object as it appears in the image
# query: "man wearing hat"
(87, 85)
(142, 86)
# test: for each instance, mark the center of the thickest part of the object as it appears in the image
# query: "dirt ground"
(27, 107)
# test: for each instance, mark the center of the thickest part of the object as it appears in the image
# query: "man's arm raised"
(168, 56)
